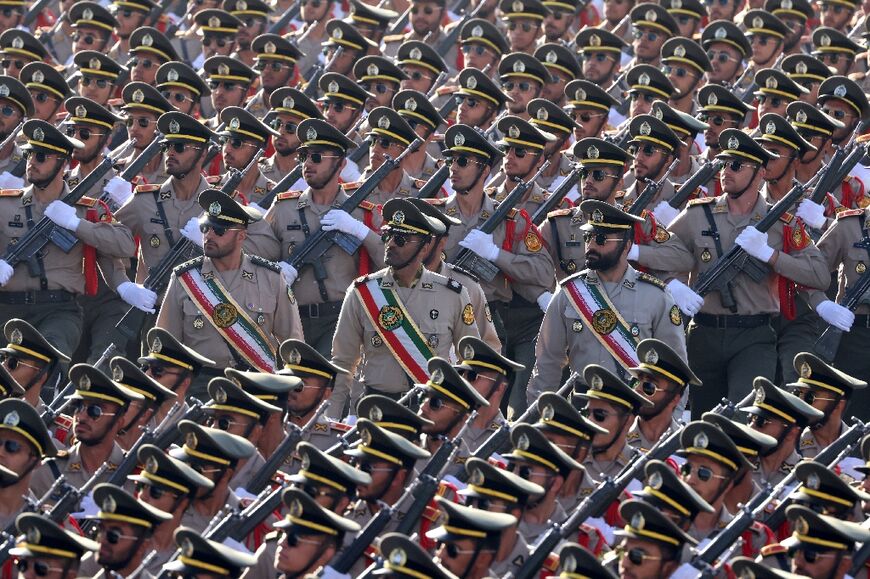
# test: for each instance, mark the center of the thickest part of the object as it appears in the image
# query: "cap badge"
(805, 370)
(651, 356)
(840, 91)
(174, 127)
(552, 57)
(712, 100)
(214, 22)
(87, 14)
(471, 83)
(801, 117)
(306, 461)
(398, 557)
(825, 40)
(366, 437)
(235, 123)
(594, 40)
(4, 90)
(220, 395)
(187, 547)
(214, 209)
(651, 15)
(17, 42)
(81, 111)
(758, 22)
(701, 440)
(398, 217)
(514, 132)
(270, 48)
(311, 134)
(288, 102)
(542, 114)
(294, 357)
(655, 480)
(156, 346)
(569, 564)
(372, 69)
(770, 128)
(338, 34)
(771, 82)
(638, 522)
(147, 40)
(733, 142)
(458, 140)
(643, 79)
(519, 66)
(172, 75)
(438, 376)
(786, 4)
(759, 397)
(190, 441)
(109, 505)
(333, 87)
(645, 129)
(85, 382)
(411, 104)
(657, 113)
(720, 33)
(517, 6)
(813, 481)
(593, 153)
(477, 31)
(416, 54)
(17, 337)
(680, 51)
(138, 96)
(523, 442)
(476, 477)
(384, 122)
(117, 373)
(580, 94)
(468, 352)
(376, 414)
(38, 76)
(223, 69)
(11, 419)
(151, 465)
(33, 535)
(801, 526)
(597, 382)
(597, 216)
(801, 68)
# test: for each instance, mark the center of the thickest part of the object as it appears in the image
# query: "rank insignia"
(635, 330)
(570, 266)
(533, 242)
(165, 195)
(487, 312)
(225, 315)
(261, 319)
(676, 316)
(249, 275)
(860, 267)
(433, 314)
(706, 256)
(468, 314)
(577, 326)
(154, 241)
(432, 341)
(198, 322)
(662, 235)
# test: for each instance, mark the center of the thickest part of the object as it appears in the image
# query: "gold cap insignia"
(214, 22)
(645, 129)
(594, 40)
(87, 14)
(270, 48)
(438, 376)
(384, 122)
(651, 15)
(156, 346)
(294, 356)
(771, 82)
(411, 104)
(680, 51)
(758, 22)
(468, 352)
(241, 6)
(366, 437)
(372, 69)
(220, 395)
(399, 217)
(643, 79)
(38, 76)
(712, 99)
(825, 40)
(376, 414)
(416, 54)
(720, 33)
(733, 142)
(306, 461)
(471, 82)
(542, 114)
(805, 370)
(801, 68)
(514, 132)
(676, 4)
(223, 69)
(235, 123)
(801, 117)
(11, 419)
(147, 40)
(840, 91)
(138, 96)
(39, 135)
(547, 413)
(151, 465)
(517, 6)
(551, 57)
(651, 356)
(580, 94)
(592, 152)
(17, 337)
(338, 34)
(655, 480)
(187, 547)
(174, 127)
(477, 31)
(786, 4)
(701, 440)
(85, 382)
(458, 140)
(288, 102)
(214, 209)
(597, 382)
(172, 75)
(523, 442)
(117, 373)
(770, 128)
(519, 66)
(597, 216)
(109, 505)
(657, 113)
(17, 42)
(311, 134)
(759, 396)
(81, 111)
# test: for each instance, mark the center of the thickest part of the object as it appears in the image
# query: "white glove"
(330, 573)
(836, 315)
(119, 190)
(755, 243)
(10, 181)
(480, 243)
(288, 271)
(337, 219)
(544, 300)
(63, 215)
(812, 213)
(257, 207)
(191, 231)
(633, 252)
(665, 214)
(686, 299)
(138, 296)
(6, 272)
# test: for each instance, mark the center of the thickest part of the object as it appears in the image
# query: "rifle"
(703, 175)
(555, 198)
(470, 261)
(431, 188)
(398, 26)
(46, 37)
(11, 136)
(859, 559)
(33, 12)
(9, 534)
(439, 80)
(595, 504)
(319, 69)
(289, 15)
(650, 191)
(264, 475)
(736, 260)
(61, 401)
(313, 248)
(72, 496)
(148, 153)
(620, 137)
(46, 231)
(749, 94)
(283, 185)
(357, 154)
(449, 40)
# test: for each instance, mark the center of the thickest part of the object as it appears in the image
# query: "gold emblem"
(547, 413)
(658, 113)
(4, 90)
(390, 318)
(523, 442)
(676, 316)
(720, 33)
(542, 114)
(223, 69)
(384, 122)
(840, 91)
(577, 326)
(706, 256)
(468, 352)
(733, 142)
(411, 104)
(770, 128)
(604, 321)
(214, 22)
(514, 132)
(580, 94)
(638, 522)
(813, 481)
(398, 557)
(651, 15)
(416, 54)
(338, 34)
(771, 82)
(235, 123)
(117, 373)
(190, 441)
(701, 440)
(38, 76)
(87, 14)
(477, 31)
(476, 477)
(225, 315)
(16, 337)
(198, 323)
(594, 40)
(151, 464)
(85, 382)
(33, 535)
(551, 57)
(759, 397)
(517, 6)
(437, 376)
(758, 22)
(154, 241)
(533, 242)
(38, 134)
(645, 129)
(294, 357)
(801, 526)
(147, 40)
(220, 395)
(17, 42)
(801, 117)
(156, 346)
(398, 217)
(458, 139)
(471, 83)
(81, 111)
(468, 315)
(270, 48)
(680, 51)
(597, 216)
(597, 382)
(174, 127)
(651, 356)
(214, 209)
(289, 103)
(109, 505)
(376, 414)
(805, 370)
(801, 68)
(825, 40)
(172, 75)
(12, 419)
(138, 96)
(860, 267)
(643, 79)
(372, 69)
(712, 100)
(786, 4)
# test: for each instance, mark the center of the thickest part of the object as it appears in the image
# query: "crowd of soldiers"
(434, 289)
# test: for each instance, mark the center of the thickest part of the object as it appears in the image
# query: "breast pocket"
(260, 310)
(437, 332)
(193, 317)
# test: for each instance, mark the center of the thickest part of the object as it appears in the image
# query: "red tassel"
(787, 288)
(89, 253)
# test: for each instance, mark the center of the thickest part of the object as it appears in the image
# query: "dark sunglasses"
(83, 133)
(288, 127)
(210, 39)
(377, 87)
(337, 106)
(736, 165)
(39, 157)
(238, 142)
(178, 146)
(598, 175)
(11, 446)
(510, 85)
(93, 410)
(704, 473)
(43, 97)
(712, 2)
(837, 114)
(453, 551)
(114, 535)
(648, 150)
(276, 66)
(719, 55)
(436, 402)
(469, 102)
(314, 491)
(100, 82)
(636, 555)
(384, 143)
(762, 39)
(809, 396)
(7, 63)
(88, 39)
(478, 49)
(400, 239)
(369, 468)
(637, 34)
(157, 370)
(146, 63)
(141, 121)
(599, 57)
(519, 152)
(8, 12)
(219, 230)
(646, 97)
(775, 101)
(599, 414)
(315, 157)
(176, 96)
(836, 8)
(650, 388)
(41, 568)
(215, 84)
(154, 491)
(221, 423)
(12, 362)
(717, 120)
(312, 3)
(678, 71)
(524, 471)
(810, 555)
(461, 160)
(416, 75)
(526, 26)
(586, 116)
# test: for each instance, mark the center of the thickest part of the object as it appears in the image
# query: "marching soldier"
(480, 101)
(405, 559)
(130, 16)
(47, 88)
(149, 50)
(720, 110)
(653, 146)
(688, 15)
(574, 558)
(182, 87)
(19, 107)
(370, 21)
(18, 49)
(601, 56)
(646, 84)
(342, 103)
(47, 547)
(835, 50)
(524, 21)
(817, 128)
(99, 76)
(685, 64)
(687, 128)
(276, 61)
(421, 64)
(550, 118)
(843, 100)
(389, 134)
(727, 49)
(421, 116)
(669, 493)
(93, 25)
(522, 79)
(353, 45)
(766, 34)
(563, 67)
(425, 19)
(650, 545)
(229, 80)
(590, 107)
(380, 77)
(482, 44)
(31, 361)
(253, 15)
(311, 34)
(807, 71)
(214, 34)
(143, 105)
(816, 535)
(392, 416)
(243, 137)
(651, 26)
(201, 555)
(140, 412)
(823, 488)
(775, 91)
(289, 107)
(794, 14)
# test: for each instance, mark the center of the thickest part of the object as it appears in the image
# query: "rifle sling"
(713, 231)
(554, 231)
(306, 231)
(43, 281)
(161, 212)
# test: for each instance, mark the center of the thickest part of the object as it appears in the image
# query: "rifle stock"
(701, 176)
(650, 191)
(432, 187)
(281, 186)
(555, 198)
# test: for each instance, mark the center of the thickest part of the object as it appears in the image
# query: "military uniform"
(269, 169)
(12, 160)
(435, 38)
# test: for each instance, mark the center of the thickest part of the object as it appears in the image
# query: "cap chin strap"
(740, 193)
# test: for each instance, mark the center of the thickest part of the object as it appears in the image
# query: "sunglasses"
(461, 160)
(10, 361)
(636, 555)
(400, 239)
(437, 403)
(810, 555)
(158, 370)
(337, 106)
(93, 410)
(40, 568)
(250, 21)
(526, 472)
(11, 446)
(810, 396)
(315, 157)
(219, 230)
(524, 86)
(837, 9)
(478, 49)
(115, 534)
(100, 82)
(221, 423)
(720, 2)
(216, 84)
(599, 57)
(154, 491)
(468, 102)
(273, 65)
(526, 26)
(125, 13)
(83, 133)
(760, 39)
(598, 175)
(238, 143)
(637, 34)
(384, 143)
(288, 127)
(39, 157)
(646, 97)
(737, 166)
(452, 551)
(717, 120)
(43, 97)
(427, 10)
(210, 39)
(650, 388)
(719, 55)
(519, 152)
(175, 96)
(600, 414)
(367, 467)
(647, 150)
(141, 121)
(775, 101)
(146, 63)
(762, 421)
(585, 116)
(293, 539)
(379, 88)
(313, 3)
(7, 63)
(678, 71)
(484, 504)
(837, 114)
(88, 39)
(472, 375)
(314, 491)
(416, 75)
(8, 12)
(178, 147)
(704, 473)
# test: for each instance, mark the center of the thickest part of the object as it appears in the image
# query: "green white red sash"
(229, 319)
(605, 321)
(396, 328)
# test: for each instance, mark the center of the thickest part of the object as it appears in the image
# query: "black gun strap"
(306, 231)
(161, 212)
(43, 281)
(554, 231)
(713, 231)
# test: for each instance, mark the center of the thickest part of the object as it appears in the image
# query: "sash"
(598, 312)
(396, 328)
(229, 319)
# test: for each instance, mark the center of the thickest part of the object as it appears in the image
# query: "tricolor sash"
(596, 309)
(396, 328)
(229, 319)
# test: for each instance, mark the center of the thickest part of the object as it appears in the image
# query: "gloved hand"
(633, 252)
(836, 315)
(686, 299)
(480, 243)
(191, 231)
(138, 296)
(330, 573)
(544, 300)
(337, 219)
(6, 272)
(665, 214)
(10, 181)
(755, 243)
(288, 271)
(63, 215)
(812, 213)
(119, 190)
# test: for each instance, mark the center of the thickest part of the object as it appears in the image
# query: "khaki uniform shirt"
(478, 299)
(261, 186)
(838, 248)
(587, 485)
(7, 520)
(62, 270)
(257, 105)
(406, 188)
(475, 436)
(193, 519)
(243, 475)
(10, 162)
(636, 439)
(441, 310)
(270, 170)
(760, 476)
(259, 289)
(808, 447)
(531, 531)
(71, 467)
(284, 219)
(633, 192)
(696, 253)
(514, 560)
(533, 198)
(75, 176)
(564, 240)
(641, 301)
(600, 470)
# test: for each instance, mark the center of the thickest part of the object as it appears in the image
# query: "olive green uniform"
(69, 464)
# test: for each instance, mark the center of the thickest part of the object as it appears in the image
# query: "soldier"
(524, 21)
(835, 50)
(99, 76)
(612, 405)
(421, 305)
(370, 21)
(229, 81)
(26, 442)
(342, 104)
(482, 44)
(647, 84)
(425, 19)
(669, 493)
(550, 118)
(19, 48)
(182, 87)
(480, 101)
(688, 15)
(651, 26)
(589, 106)
(240, 338)
(653, 146)
(98, 407)
(149, 50)
(421, 116)
(563, 67)
(783, 416)
(19, 105)
(827, 493)
(822, 545)
(143, 105)
(244, 136)
(816, 128)
(827, 389)
(421, 64)
(844, 100)
(392, 416)
(405, 559)
(311, 34)
(140, 412)
(727, 49)
(522, 79)
(720, 110)
(199, 555)
(253, 15)
(574, 558)
(295, 216)
(837, 15)
(807, 71)
(794, 14)
(469, 539)
(685, 64)
(289, 107)
(92, 124)
(273, 389)
(31, 361)
(687, 128)
(650, 545)
(600, 54)
(617, 303)
(125, 531)
(775, 91)
(494, 489)
(47, 88)
(718, 336)
(214, 35)
(47, 300)
(275, 60)
(353, 46)
(662, 377)
(766, 35)
(130, 16)
(93, 25)
(48, 548)
(380, 77)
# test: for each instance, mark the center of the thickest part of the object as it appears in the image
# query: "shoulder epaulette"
(437, 201)
(352, 185)
(188, 265)
(11, 192)
(87, 201)
(700, 201)
(559, 213)
(367, 205)
(849, 213)
(394, 38)
(786, 217)
(339, 426)
(650, 279)
(62, 454)
(512, 214)
(147, 188)
(213, 179)
(578, 275)
(454, 285)
(774, 549)
(263, 262)
(465, 272)
(289, 195)
(490, 190)
(418, 183)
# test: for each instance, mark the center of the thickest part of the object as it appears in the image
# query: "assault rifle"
(34, 11)
(651, 189)
(703, 175)
(283, 185)
(72, 496)
(478, 266)
(289, 15)
(312, 249)
(30, 506)
(555, 198)
(736, 260)
(148, 153)
(828, 343)
(430, 189)
(317, 71)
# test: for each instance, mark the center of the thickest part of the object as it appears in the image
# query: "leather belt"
(36, 297)
(729, 321)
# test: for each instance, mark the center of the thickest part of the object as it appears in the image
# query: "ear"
(558, 481)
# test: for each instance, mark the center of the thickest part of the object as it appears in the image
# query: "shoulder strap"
(713, 231)
(161, 212)
(554, 231)
(306, 231)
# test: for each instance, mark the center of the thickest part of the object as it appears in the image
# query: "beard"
(604, 261)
